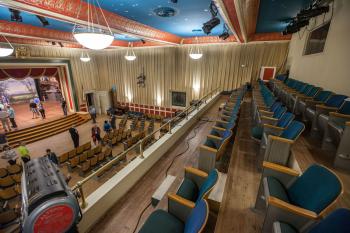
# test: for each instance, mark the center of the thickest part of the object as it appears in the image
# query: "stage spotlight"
(60, 43)
(208, 26)
(143, 41)
(295, 26)
(174, 1)
(53, 43)
(214, 21)
(310, 13)
(225, 33)
(43, 21)
(15, 15)
(224, 36)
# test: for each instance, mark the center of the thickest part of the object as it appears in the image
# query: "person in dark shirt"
(52, 156)
(64, 106)
(75, 136)
(33, 109)
(113, 121)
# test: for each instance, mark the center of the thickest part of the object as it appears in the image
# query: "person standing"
(64, 106)
(23, 152)
(11, 113)
(42, 110)
(4, 120)
(107, 127)
(92, 111)
(75, 136)
(96, 134)
(33, 109)
(52, 156)
(113, 121)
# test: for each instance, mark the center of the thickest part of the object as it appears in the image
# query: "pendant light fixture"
(130, 54)
(6, 50)
(89, 36)
(85, 57)
(196, 53)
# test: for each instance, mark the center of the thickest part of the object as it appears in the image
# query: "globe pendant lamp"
(196, 53)
(6, 50)
(130, 54)
(90, 36)
(85, 57)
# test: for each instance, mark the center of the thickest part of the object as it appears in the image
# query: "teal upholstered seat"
(322, 96)
(277, 189)
(257, 132)
(335, 101)
(191, 191)
(336, 222)
(345, 108)
(315, 189)
(161, 221)
(293, 130)
(188, 190)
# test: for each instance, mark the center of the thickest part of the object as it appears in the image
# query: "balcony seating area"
(326, 113)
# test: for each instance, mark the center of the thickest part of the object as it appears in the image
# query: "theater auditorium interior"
(171, 116)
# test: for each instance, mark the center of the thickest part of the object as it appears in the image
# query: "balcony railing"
(139, 146)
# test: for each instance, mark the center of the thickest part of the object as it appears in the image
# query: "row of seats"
(188, 208)
(328, 114)
(291, 202)
(274, 127)
(116, 136)
(224, 130)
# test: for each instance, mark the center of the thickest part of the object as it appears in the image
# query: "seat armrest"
(218, 128)
(323, 109)
(221, 121)
(179, 206)
(280, 168)
(215, 138)
(281, 139)
(207, 148)
(339, 115)
(269, 120)
(196, 172)
(292, 208)
(262, 108)
(272, 130)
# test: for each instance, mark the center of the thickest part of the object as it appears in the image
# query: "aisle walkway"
(123, 216)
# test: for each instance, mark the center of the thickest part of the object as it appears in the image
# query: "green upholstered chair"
(161, 221)
(283, 121)
(212, 151)
(196, 184)
(301, 200)
(336, 222)
(276, 143)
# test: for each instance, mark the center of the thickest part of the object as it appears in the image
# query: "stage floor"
(24, 118)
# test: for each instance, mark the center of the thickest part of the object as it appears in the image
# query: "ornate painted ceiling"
(149, 22)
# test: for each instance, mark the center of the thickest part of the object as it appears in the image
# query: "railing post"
(186, 114)
(83, 201)
(169, 127)
(141, 150)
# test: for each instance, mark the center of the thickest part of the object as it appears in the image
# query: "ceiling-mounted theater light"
(85, 57)
(89, 36)
(130, 54)
(196, 53)
(214, 21)
(6, 50)
(225, 34)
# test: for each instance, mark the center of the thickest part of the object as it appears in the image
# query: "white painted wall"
(330, 69)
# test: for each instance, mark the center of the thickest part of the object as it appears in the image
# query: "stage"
(23, 115)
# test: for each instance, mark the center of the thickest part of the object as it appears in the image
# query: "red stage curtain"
(21, 73)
